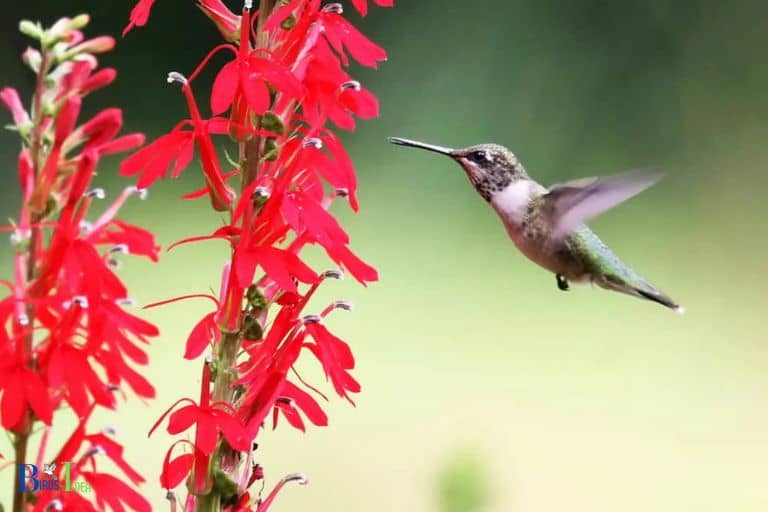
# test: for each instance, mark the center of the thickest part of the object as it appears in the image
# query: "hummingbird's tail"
(642, 290)
(664, 300)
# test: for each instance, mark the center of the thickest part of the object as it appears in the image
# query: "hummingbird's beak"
(421, 145)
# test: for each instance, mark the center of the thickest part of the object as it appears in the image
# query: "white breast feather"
(512, 203)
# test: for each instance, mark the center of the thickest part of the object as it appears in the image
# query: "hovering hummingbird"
(547, 224)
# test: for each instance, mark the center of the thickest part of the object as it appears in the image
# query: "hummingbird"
(548, 224)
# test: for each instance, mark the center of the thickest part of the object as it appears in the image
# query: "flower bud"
(101, 44)
(271, 150)
(80, 21)
(252, 329)
(32, 58)
(272, 122)
(31, 29)
(288, 23)
(224, 485)
(255, 298)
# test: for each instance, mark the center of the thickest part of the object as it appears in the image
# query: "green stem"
(21, 440)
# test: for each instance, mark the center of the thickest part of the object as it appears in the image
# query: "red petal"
(183, 418)
(207, 436)
(174, 471)
(139, 15)
(224, 87)
(38, 396)
(12, 406)
(232, 429)
(256, 92)
(306, 403)
(201, 336)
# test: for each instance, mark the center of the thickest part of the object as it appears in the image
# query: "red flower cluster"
(286, 79)
(65, 337)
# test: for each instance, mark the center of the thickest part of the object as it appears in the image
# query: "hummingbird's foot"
(562, 282)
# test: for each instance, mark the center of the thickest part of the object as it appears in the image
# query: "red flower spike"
(84, 344)
(296, 73)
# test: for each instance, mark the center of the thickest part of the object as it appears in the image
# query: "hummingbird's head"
(489, 167)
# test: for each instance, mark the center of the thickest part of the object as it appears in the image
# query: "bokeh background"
(484, 387)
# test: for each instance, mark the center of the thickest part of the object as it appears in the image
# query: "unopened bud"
(31, 29)
(101, 44)
(80, 21)
(271, 151)
(272, 122)
(32, 58)
(252, 329)
(288, 23)
(255, 298)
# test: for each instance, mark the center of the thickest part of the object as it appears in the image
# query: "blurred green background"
(484, 387)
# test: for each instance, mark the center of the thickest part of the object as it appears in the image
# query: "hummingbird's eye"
(478, 156)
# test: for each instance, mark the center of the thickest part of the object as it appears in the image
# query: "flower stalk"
(51, 337)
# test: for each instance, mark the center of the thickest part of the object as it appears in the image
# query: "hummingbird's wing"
(571, 204)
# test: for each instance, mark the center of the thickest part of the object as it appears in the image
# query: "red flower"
(225, 20)
(22, 388)
(139, 15)
(153, 160)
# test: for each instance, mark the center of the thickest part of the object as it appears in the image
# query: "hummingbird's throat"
(474, 173)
